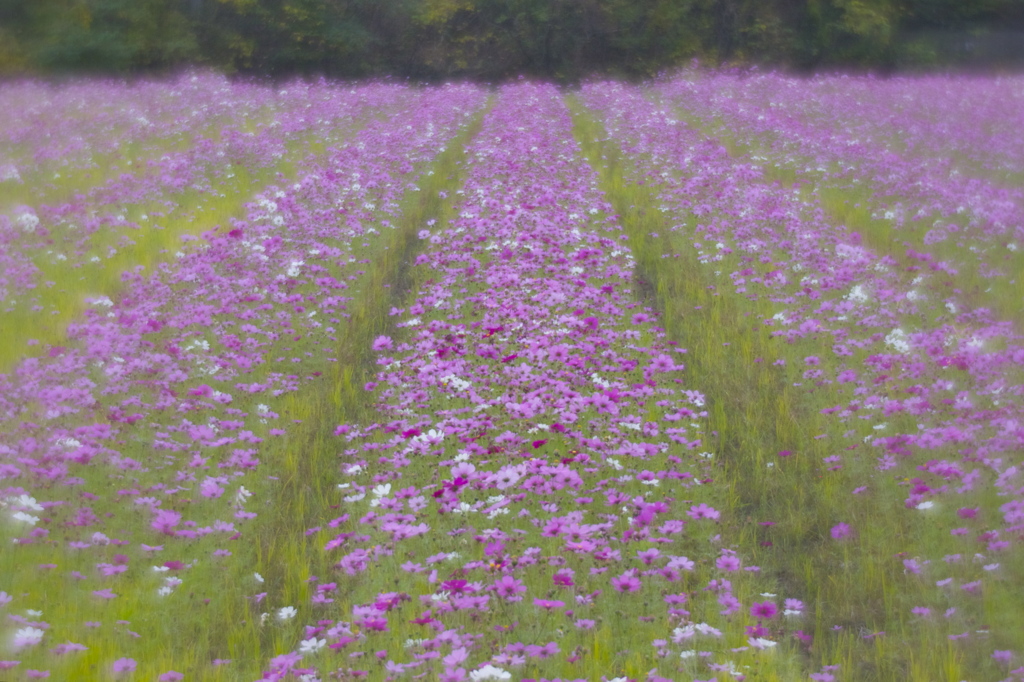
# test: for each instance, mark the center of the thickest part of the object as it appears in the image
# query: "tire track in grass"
(310, 460)
(757, 412)
(752, 408)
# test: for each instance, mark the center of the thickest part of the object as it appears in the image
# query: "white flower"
(761, 643)
(9, 173)
(858, 294)
(286, 613)
(28, 222)
(30, 637)
(258, 577)
(26, 502)
(897, 339)
(432, 436)
(489, 672)
(382, 490)
(27, 518)
(241, 496)
(927, 504)
(312, 645)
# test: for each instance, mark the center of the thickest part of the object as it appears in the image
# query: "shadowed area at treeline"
(493, 39)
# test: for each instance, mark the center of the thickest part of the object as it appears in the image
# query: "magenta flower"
(171, 676)
(841, 531)
(763, 610)
(564, 577)
(548, 604)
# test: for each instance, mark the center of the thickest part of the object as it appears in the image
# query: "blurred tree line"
(488, 39)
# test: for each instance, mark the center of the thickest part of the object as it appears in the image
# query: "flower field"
(710, 378)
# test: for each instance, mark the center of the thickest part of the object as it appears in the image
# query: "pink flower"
(509, 588)
(703, 511)
(165, 520)
(125, 665)
(627, 582)
(763, 610)
(731, 604)
(171, 676)
(66, 648)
